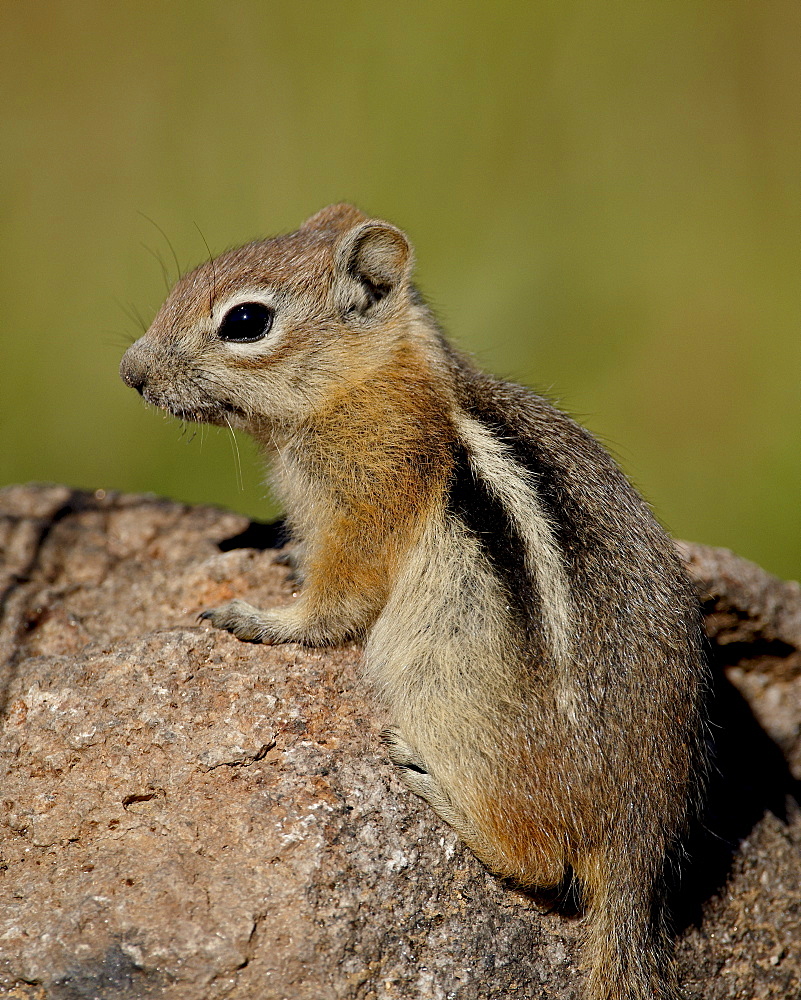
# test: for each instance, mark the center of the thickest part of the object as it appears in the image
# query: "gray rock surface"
(186, 816)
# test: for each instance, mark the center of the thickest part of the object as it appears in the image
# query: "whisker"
(139, 317)
(238, 461)
(133, 314)
(213, 292)
(169, 242)
(160, 261)
(117, 337)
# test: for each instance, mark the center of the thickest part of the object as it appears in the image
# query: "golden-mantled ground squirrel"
(526, 620)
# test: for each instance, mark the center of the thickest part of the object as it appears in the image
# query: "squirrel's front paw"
(242, 620)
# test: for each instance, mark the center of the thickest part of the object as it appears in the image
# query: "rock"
(186, 816)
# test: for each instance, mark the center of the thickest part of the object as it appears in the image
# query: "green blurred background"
(604, 199)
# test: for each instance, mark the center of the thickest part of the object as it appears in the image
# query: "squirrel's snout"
(133, 371)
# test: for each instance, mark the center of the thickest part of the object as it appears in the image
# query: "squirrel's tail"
(628, 946)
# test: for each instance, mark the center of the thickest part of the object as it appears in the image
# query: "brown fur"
(526, 620)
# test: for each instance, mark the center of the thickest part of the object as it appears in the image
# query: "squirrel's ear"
(336, 218)
(371, 261)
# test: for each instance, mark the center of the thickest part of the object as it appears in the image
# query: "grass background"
(604, 199)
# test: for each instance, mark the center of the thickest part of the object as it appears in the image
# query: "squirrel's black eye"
(246, 322)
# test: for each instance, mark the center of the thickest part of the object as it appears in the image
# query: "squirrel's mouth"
(197, 411)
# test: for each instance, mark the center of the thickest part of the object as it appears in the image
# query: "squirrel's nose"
(132, 371)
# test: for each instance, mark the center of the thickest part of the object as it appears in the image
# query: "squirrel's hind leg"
(415, 775)
(530, 861)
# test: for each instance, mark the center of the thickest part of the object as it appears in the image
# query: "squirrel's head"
(265, 334)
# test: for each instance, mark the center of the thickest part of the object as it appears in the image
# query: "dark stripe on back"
(537, 435)
(473, 502)
(576, 530)
(552, 504)
(476, 391)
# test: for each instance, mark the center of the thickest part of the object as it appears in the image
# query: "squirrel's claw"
(240, 619)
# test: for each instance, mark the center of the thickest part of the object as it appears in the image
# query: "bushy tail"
(628, 946)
